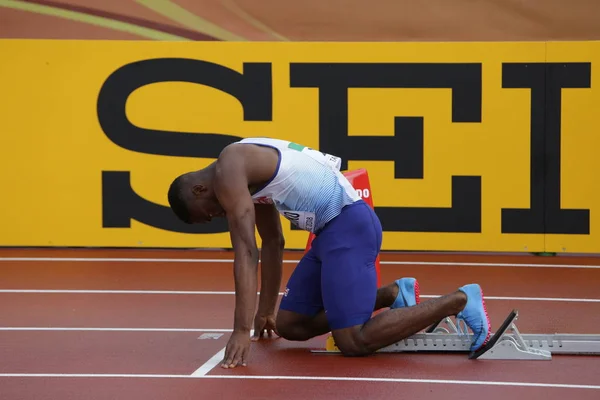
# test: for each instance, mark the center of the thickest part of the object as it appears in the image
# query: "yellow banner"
(469, 146)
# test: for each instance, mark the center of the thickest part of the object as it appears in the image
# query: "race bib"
(302, 219)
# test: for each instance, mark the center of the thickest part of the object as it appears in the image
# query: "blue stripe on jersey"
(316, 189)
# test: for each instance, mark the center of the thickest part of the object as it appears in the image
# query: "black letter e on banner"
(406, 147)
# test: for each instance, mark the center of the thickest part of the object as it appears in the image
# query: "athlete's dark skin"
(224, 189)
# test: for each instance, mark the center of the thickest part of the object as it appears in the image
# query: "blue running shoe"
(408, 293)
(475, 316)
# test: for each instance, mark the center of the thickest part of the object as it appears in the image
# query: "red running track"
(122, 328)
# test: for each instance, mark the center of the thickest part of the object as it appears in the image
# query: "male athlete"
(334, 286)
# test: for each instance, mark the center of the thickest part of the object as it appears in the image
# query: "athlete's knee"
(351, 342)
(292, 333)
(291, 327)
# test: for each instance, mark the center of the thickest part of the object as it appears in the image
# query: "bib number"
(302, 219)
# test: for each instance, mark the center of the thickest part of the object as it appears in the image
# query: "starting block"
(506, 344)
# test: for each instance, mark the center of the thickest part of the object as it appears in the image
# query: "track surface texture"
(152, 324)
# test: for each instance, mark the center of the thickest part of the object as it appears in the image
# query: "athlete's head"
(192, 197)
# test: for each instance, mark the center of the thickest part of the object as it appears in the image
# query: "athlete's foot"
(475, 315)
(408, 293)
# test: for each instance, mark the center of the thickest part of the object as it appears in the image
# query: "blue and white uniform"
(307, 188)
(338, 273)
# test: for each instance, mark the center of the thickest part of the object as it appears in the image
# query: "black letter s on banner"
(252, 88)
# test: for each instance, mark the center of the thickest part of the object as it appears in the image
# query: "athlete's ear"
(198, 189)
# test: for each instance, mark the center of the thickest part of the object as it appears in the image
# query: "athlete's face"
(204, 206)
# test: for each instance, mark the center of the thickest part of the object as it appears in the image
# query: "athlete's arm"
(231, 189)
(268, 224)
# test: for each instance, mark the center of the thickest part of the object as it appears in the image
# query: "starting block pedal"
(507, 343)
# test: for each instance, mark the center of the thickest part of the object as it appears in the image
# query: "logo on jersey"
(263, 200)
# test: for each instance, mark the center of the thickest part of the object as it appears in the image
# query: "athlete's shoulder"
(254, 162)
(266, 141)
(231, 151)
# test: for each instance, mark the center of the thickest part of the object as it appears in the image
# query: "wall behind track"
(469, 146)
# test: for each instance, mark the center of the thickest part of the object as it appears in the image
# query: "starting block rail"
(506, 344)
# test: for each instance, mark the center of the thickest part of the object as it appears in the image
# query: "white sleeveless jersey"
(307, 188)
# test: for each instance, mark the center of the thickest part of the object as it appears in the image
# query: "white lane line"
(210, 364)
(125, 259)
(224, 260)
(102, 291)
(481, 264)
(43, 375)
(208, 292)
(102, 329)
(311, 378)
(505, 298)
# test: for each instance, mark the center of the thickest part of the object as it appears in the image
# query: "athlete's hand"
(264, 323)
(236, 352)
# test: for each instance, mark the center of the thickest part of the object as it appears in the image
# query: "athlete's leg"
(348, 250)
(302, 327)
(394, 325)
(301, 315)
(302, 301)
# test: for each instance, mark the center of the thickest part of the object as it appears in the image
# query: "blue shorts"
(338, 273)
